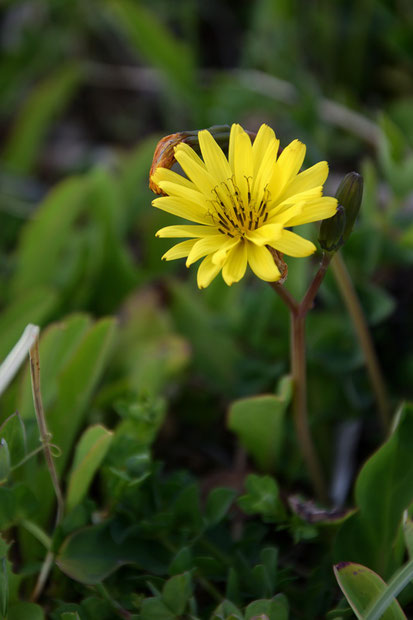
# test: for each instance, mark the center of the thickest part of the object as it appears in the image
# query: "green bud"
(331, 232)
(349, 194)
(4, 461)
(335, 231)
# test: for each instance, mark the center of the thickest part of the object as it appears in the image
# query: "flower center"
(235, 212)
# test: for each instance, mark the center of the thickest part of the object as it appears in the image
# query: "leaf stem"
(355, 310)
(45, 438)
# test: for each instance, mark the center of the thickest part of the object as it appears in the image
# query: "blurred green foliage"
(166, 517)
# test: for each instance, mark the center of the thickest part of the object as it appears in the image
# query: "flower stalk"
(355, 310)
(298, 314)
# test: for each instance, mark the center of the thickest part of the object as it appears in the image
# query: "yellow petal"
(293, 245)
(177, 207)
(214, 158)
(206, 272)
(243, 165)
(265, 234)
(312, 177)
(187, 194)
(180, 250)
(220, 255)
(164, 174)
(299, 199)
(203, 180)
(236, 129)
(186, 230)
(287, 166)
(202, 247)
(262, 263)
(264, 138)
(236, 264)
(185, 148)
(314, 210)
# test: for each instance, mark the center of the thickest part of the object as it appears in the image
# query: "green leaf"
(384, 489)
(76, 384)
(73, 380)
(38, 112)
(115, 274)
(58, 343)
(157, 45)
(181, 562)
(43, 239)
(70, 615)
(4, 461)
(274, 609)
(176, 593)
(155, 609)
(13, 432)
(91, 554)
(227, 611)
(217, 505)
(396, 584)
(360, 586)
(259, 424)
(90, 452)
(25, 611)
(262, 497)
(33, 305)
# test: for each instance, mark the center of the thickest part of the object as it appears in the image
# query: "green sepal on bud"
(331, 232)
(335, 231)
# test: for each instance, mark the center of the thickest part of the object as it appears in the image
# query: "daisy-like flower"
(244, 206)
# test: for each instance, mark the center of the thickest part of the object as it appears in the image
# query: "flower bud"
(335, 231)
(164, 156)
(331, 232)
(349, 194)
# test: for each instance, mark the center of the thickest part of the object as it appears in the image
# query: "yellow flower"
(242, 206)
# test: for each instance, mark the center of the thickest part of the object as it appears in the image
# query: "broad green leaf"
(25, 611)
(58, 343)
(360, 586)
(384, 600)
(155, 609)
(181, 562)
(195, 321)
(91, 554)
(90, 452)
(70, 615)
(13, 432)
(37, 114)
(176, 593)
(44, 238)
(32, 305)
(148, 352)
(273, 609)
(218, 503)
(157, 44)
(67, 397)
(115, 274)
(259, 424)
(227, 611)
(76, 384)
(384, 489)
(4, 461)
(262, 497)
